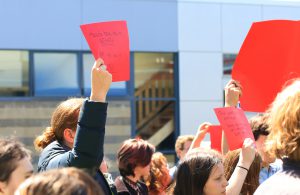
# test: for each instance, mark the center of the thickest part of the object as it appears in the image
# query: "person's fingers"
(103, 67)
(238, 91)
(98, 63)
(204, 126)
(229, 83)
(231, 86)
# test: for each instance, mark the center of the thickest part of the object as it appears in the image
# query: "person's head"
(134, 158)
(63, 124)
(182, 145)
(159, 178)
(284, 138)
(251, 182)
(201, 172)
(260, 129)
(15, 165)
(60, 181)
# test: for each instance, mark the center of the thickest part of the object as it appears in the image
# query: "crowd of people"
(72, 159)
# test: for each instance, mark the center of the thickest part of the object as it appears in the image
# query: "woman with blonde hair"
(284, 141)
(64, 181)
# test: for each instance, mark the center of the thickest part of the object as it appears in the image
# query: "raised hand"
(247, 154)
(100, 83)
(233, 91)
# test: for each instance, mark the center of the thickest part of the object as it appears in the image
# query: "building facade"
(181, 55)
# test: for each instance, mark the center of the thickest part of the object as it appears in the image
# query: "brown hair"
(65, 116)
(251, 182)
(194, 171)
(159, 177)
(133, 153)
(65, 181)
(179, 145)
(11, 152)
(259, 125)
(284, 138)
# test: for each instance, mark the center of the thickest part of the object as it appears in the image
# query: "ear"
(178, 152)
(69, 136)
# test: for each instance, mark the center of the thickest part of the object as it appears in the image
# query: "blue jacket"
(88, 145)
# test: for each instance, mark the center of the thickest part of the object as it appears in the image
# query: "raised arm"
(240, 172)
(89, 139)
(233, 91)
(201, 132)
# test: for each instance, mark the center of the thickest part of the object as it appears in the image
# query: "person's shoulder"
(277, 183)
(173, 170)
(55, 147)
(120, 185)
(277, 164)
(48, 153)
(143, 185)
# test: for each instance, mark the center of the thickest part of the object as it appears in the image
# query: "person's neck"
(133, 179)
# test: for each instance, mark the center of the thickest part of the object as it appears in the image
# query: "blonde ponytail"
(45, 139)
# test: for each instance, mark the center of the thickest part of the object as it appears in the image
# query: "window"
(56, 74)
(228, 61)
(14, 71)
(155, 98)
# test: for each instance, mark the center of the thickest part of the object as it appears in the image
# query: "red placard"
(235, 126)
(110, 41)
(215, 132)
(269, 56)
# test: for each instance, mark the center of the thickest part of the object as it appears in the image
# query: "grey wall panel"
(236, 22)
(152, 24)
(281, 12)
(34, 24)
(199, 27)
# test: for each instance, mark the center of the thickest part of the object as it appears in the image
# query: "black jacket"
(88, 145)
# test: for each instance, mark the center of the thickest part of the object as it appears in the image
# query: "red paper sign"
(269, 56)
(215, 137)
(110, 41)
(235, 126)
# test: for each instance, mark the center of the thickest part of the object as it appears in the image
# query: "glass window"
(228, 61)
(116, 88)
(155, 101)
(154, 70)
(14, 71)
(56, 74)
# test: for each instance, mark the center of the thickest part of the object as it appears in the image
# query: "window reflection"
(14, 71)
(56, 74)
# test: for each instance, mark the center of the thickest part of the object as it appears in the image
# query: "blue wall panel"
(34, 24)
(152, 24)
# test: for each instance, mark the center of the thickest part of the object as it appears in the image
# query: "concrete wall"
(25, 120)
